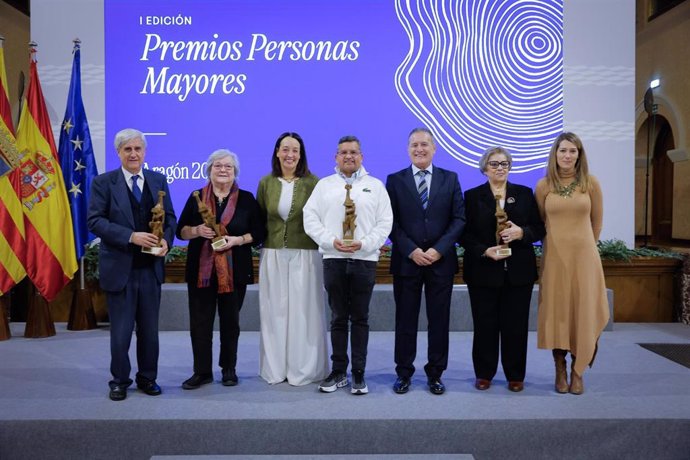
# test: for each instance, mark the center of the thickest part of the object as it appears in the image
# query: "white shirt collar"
(415, 169)
(128, 178)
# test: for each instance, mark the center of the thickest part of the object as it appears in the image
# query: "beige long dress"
(573, 308)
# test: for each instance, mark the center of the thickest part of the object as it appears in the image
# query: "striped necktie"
(136, 191)
(423, 189)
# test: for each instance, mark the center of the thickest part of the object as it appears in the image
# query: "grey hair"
(127, 135)
(422, 130)
(220, 154)
(491, 151)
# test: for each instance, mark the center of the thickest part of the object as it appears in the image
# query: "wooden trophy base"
(218, 242)
(154, 251)
(504, 251)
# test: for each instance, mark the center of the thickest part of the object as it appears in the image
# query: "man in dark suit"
(119, 213)
(428, 219)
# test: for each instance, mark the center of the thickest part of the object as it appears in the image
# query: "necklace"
(290, 180)
(220, 199)
(568, 190)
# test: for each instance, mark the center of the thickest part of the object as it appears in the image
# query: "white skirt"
(293, 317)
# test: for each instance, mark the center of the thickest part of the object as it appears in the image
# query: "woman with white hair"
(217, 274)
(500, 269)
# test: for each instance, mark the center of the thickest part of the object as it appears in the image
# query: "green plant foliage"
(608, 250)
(91, 262)
(617, 250)
(176, 253)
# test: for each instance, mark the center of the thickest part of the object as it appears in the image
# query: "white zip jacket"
(324, 214)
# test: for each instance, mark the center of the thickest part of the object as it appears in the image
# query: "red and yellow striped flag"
(12, 243)
(50, 257)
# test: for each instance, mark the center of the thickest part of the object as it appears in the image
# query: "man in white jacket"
(349, 265)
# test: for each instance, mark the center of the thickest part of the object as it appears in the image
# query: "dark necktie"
(423, 189)
(136, 191)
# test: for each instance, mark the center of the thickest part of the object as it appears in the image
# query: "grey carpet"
(53, 404)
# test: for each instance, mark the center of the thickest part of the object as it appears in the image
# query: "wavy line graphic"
(481, 73)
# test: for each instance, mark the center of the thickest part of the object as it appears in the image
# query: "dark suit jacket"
(438, 226)
(480, 234)
(247, 219)
(110, 218)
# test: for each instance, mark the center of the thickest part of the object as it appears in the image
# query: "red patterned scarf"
(210, 259)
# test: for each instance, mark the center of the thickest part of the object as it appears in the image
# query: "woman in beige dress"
(573, 308)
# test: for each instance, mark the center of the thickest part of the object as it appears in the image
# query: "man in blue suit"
(119, 213)
(428, 218)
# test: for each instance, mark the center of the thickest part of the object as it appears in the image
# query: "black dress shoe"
(118, 393)
(196, 380)
(436, 386)
(151, 388)
(402, 385)
(229, 378)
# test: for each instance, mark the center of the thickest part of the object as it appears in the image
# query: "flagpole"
(75, 151)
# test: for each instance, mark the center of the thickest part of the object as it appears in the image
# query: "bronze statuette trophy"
(350, 216)
(501, 224)
(156, 225)
(210, 222)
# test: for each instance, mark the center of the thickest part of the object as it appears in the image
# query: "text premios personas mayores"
(163, 81)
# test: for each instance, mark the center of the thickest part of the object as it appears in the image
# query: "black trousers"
(407, 291)
(137, 305)
(202, 314)
(349, 284)
(500, 315)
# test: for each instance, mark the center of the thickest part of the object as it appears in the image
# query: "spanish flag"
(50, 258)
(12, 243)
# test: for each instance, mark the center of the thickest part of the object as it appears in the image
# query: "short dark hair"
(302, 167)
(349, 138)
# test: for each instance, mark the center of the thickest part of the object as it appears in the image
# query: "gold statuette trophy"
(210, 222)
(156, 225)
(501, 224)
(350, 216)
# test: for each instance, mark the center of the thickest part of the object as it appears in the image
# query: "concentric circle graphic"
(481, 73)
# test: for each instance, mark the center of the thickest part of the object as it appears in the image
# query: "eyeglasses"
(344, 154)
(496, 164)
(219, 166)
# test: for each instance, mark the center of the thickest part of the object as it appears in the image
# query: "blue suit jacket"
(439, 225)
(110, 218)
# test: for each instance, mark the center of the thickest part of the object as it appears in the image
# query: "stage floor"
(64, 378)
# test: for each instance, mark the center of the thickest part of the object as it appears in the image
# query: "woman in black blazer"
(500, 216)
(217, 275)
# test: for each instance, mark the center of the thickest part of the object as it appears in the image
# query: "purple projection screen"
(209, 74)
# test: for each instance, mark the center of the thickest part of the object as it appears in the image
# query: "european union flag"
(76, 156)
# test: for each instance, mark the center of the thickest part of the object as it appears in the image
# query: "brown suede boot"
(577, 386)
(561, 371)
